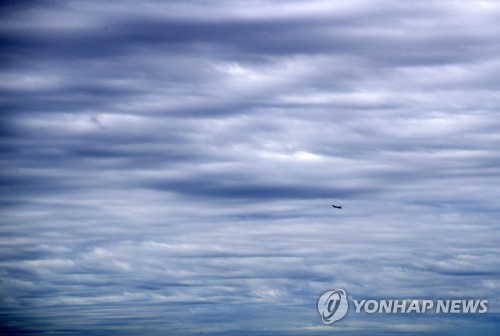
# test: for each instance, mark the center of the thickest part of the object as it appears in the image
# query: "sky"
(168, 167)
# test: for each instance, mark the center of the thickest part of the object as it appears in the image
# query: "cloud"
(171, 165)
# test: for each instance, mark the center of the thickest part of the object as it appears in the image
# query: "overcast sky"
(168, 166)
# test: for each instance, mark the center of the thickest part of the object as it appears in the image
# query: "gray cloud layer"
(169, 166)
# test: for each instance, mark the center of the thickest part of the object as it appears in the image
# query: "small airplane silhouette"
(337, 206)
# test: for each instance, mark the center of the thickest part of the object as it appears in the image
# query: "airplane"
(337, 206)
